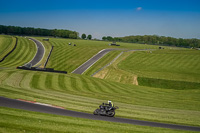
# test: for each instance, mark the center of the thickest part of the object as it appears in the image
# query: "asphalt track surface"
(12, 103)
(81, 69)
(40, 52)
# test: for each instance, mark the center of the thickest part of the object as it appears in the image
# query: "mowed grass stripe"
(35, 81)
(62, 82)
(7, 43)
(26, 81)
(12, 58)
(23, 53)
(3, 76)
(15, 58)
(49, 81)
(14, 79)
(43, 82)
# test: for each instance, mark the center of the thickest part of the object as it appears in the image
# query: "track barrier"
(41, 69)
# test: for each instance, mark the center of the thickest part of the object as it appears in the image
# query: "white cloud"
(139, 9)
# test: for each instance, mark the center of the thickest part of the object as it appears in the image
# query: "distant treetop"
(156, 40)
(16, 30)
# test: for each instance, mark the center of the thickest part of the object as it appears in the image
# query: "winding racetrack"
(40, 52)
(12, 103)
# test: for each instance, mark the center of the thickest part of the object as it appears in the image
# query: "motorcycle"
(105, 110)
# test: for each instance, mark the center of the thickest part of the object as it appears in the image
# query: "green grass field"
(84, 93)
(171, 69)
(24, 52)
(181, 65)
(67, 57)
(7, 43)
(14, 120)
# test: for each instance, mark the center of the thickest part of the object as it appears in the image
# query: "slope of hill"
(84, 93)
(7, 43)
(172, 69)
(67, 57)
(23, 53)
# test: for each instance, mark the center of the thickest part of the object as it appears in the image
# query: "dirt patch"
(135, 81)
(101, 74)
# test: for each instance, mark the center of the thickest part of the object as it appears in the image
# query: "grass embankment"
(171, 69)
(23, 53)
(113, 73)
(14, 120)
(83, 93)
(181, 65)
(7, 43)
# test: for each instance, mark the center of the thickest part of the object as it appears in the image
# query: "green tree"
(109, 38)
(83, 36)
(89, 37)
(73, 36)
(104, 38)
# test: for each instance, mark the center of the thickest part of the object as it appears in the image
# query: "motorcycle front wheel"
(111, 113)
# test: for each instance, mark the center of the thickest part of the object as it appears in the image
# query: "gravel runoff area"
(12, 103)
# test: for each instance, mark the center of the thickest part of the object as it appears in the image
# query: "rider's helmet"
(109, 102)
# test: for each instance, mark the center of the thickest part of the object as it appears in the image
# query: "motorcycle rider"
(110, 105)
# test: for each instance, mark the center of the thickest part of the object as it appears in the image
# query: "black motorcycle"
(105, 110)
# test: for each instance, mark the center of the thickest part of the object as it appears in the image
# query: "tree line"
(156, 40)
(16, 30)
(83, 36)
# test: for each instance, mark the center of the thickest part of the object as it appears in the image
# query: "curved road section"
(12, 103)
(81, 69)
(40, 52)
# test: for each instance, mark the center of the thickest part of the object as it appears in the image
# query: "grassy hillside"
(182, 65)
(83, 93)
(171, 69)
(68, 57)
(24, 52)
(14, 120)
(7, 43)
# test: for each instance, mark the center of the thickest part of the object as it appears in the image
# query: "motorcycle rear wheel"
(96, 112)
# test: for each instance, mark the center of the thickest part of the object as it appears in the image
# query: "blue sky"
(117, 18)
